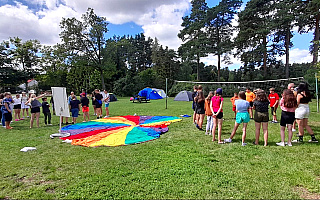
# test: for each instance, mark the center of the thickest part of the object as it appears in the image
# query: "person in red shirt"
(274, 102)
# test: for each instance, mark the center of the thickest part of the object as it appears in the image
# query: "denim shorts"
(75, 112)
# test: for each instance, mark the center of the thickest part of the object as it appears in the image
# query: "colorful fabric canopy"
(116, 131)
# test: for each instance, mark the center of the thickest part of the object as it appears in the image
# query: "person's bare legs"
(19, 111)
(300, 126)
(244, 132)
(308, 128)
(289, 133)
(258, 127)
(236, 125)
(215, 123)
(201, 118)
(33, 115)
(265, 132)
(282, 130)
(37, 118)
(219, 129)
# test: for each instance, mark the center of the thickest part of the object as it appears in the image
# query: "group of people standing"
(294, 106)
(8, 104)
(98, 99)
(11, 107)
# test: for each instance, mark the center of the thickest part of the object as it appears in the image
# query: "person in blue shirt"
(242, 108)
(7, 112)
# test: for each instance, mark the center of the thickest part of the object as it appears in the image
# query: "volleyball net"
(229, 88)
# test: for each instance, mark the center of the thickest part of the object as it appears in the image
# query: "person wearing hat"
(217, 114)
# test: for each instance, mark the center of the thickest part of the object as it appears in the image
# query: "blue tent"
(149, 94)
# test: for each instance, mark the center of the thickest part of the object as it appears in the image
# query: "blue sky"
(39, 19)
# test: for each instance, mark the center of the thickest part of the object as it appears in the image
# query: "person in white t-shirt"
(17, 107)
(24, 107)
(106, 100)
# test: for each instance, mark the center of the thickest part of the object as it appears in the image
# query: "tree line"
(86, 59)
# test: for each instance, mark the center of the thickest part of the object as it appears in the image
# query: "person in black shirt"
(98, 98)
(74, 107)
(46, 111)
(85, 107)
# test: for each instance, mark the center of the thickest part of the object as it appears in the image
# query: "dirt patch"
(26, 180)
(305, 194)
(49, 190)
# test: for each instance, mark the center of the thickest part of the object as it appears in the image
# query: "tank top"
(305, 99)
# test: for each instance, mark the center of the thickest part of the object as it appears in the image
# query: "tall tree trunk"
(102, 80)
(287, 45)
(265, 56)
(219, 66)
(316, 41)
(198, 66)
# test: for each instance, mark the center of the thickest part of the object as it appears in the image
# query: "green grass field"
(183, 163)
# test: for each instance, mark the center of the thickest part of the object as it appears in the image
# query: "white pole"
(166, 93)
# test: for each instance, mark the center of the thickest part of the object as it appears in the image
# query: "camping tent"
(149, 94)
(113, 97)
(184, 96)
(160, 92)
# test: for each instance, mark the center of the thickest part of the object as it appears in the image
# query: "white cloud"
(158, 18)
(298, 56)
(22, 22)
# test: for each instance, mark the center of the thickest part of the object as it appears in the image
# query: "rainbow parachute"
(116, 131)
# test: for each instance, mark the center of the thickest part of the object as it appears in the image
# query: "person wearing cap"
(85, 107)
(217, 114)
(250, 96)
(274, 102)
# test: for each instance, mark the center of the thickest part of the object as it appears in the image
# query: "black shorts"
(274, 110)
(251, 104)
(200, 110)
(220, 115)
(93, 102)
(18, 106)
(8, 117)
(287, 118)
(98, 105)
(35, 110)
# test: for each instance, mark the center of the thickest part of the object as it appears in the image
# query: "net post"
(166, 93)
(316, 76)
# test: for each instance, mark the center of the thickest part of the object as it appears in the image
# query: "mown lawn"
(183, 163)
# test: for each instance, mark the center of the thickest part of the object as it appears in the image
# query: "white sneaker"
(206, 133)
(289, 145)
(280, 144)
(294, 130)
(49, 124)
(228, 140)
(244, 144)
